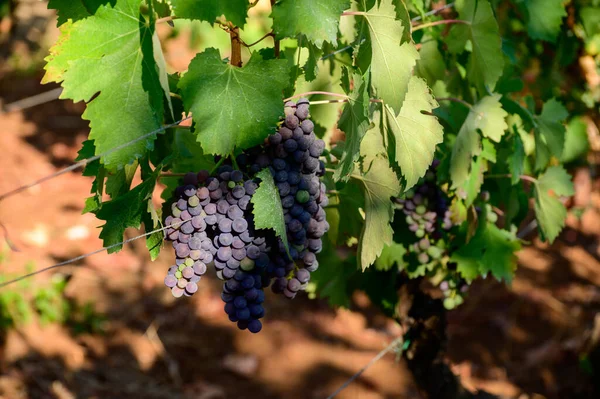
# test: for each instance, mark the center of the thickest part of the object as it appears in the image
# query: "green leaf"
(311, 68)
(76, 9)
(380, 183)
(128, 210)
(516, 162)
(549, 211)
(152, 221)
(486, 61)
(416, 134)
(107, 60)
(576, 141)
(392, 61)
(233, 107)
(118, 182)
(431, 65)
(475, 180)
(391, 255)
(209, 10)
(268, 212)
(544, 18)
(354, 122)
(490, 250)
(317, 19)
(550, 132)
(486, 116)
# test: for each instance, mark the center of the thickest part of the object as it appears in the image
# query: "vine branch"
(236, 45)
(441, 22)
(456, 100)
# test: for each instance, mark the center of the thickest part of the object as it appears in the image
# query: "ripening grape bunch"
(212, 222)
(426, 212)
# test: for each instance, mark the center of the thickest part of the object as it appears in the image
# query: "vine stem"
(234, 161)
(509, 175)
(259, 40)
(343, 100)
(217, 165)
(277, 44)
(236, 45)
(308, 93)
(456, 100)
(165, 19)
(353, 13)
(442, 22)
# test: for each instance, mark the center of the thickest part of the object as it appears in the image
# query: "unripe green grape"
(231, 184)
(410, 220)
(188, 262)
(492, 217)
(421, 209)
(176, 212)
(182, 266)
(178, 274)
(420, 233)
(449, 303)
(193, 201)
(435, 252)
(247, 264)
(302, 196)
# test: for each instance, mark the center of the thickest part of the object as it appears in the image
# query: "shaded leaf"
(354, 122)
(267, 211)
(549, 211)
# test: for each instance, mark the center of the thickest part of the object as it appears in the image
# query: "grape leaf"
(486, 116)
(152, 221)
(233, 107)
(576, 140)
(317, 19)
(380, 183)
(486, 61)
(549, 211)
(416, 134)
(431, 65)
(76, 9)
(475, 180)
(268, 212)
(544, 18)
(128, 210)
(311, 68)
(516, 161)
(209, 10)
(550, 132)
(392, 61)
(111, 53)
(490, 250)
(391, 255)
(354, 122)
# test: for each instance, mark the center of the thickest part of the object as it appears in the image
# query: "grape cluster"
(212, 222)
(427, 216)
(292, 155)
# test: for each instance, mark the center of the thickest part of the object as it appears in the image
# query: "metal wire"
(394, 344)
(80, 257)
(84, 162)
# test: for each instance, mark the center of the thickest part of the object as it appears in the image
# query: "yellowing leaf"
(392, 61)
(416, 135)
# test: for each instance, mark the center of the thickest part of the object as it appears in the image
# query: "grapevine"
(351, 145)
